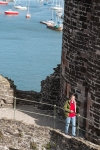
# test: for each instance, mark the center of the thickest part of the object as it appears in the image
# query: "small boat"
(20, 7)
(55, 27)
(10, 12)
(50, 22)
(56, 8)
(28, 15)
(3, 2)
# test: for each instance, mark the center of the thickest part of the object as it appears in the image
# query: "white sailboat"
(57, 25)
(19, 6)
(57, 7)
(28, 15)
(51, 21)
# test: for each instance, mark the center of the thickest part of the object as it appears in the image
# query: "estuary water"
(28, 49)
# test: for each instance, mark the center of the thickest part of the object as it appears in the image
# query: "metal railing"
(55, 115)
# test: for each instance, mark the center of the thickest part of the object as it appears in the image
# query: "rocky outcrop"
(7, 92)
(15, 135)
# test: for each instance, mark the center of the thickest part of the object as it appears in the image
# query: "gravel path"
(30, 118)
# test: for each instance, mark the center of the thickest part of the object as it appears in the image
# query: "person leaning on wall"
(70, 114)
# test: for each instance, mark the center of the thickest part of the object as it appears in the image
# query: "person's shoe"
(73, 135)
(67, 133)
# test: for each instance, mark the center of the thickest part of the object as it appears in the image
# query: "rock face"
(7, 91)
(81, 60)
(16, 135)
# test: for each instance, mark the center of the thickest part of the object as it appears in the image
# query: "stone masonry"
(7, 91)
(81, 60)
(50, 87)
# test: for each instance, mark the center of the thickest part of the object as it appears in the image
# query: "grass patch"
(33, 145)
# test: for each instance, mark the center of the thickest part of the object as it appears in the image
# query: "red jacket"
(72, 107)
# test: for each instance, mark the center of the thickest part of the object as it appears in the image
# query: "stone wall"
(27, 97)
(81, 60)
(15, 135)
(7, 92)
(50, 87)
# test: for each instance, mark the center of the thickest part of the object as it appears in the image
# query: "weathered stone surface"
(15, 135)
(7, 92)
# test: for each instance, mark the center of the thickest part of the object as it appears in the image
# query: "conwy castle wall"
(81, 59)
(80, 66)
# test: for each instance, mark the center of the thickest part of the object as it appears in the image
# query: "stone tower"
(81, 60)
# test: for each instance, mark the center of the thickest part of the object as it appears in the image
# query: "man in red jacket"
(70, 114)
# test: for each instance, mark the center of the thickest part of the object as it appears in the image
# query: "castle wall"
(81, 60)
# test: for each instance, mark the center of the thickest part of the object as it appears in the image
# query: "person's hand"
(71, 111)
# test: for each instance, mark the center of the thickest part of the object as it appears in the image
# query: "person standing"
(70, 114)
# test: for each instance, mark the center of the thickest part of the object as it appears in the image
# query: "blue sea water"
(28, 49)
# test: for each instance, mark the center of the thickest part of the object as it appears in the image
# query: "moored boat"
(55, 27)
(3, 2)
(56, 8)
(50, 22)
(28, 15)
(10, 12)
(20, 7)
